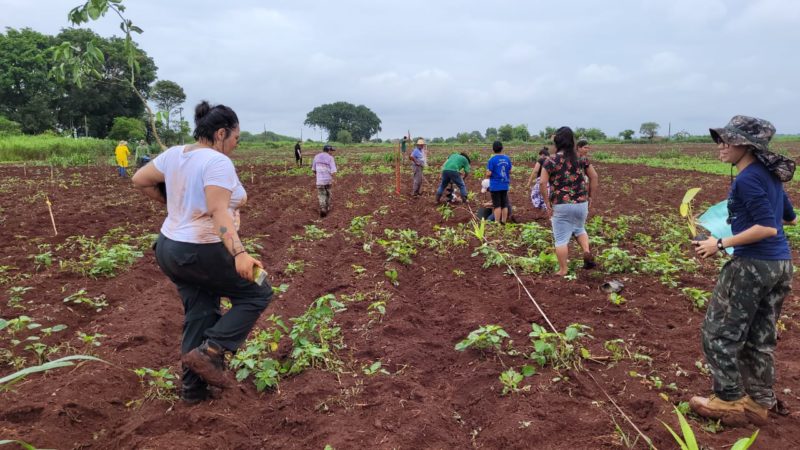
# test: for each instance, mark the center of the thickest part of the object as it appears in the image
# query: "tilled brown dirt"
(434, 396)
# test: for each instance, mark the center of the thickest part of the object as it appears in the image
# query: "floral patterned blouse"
(568, 182)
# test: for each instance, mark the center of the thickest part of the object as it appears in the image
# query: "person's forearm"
(223, 222)
(153, 193)
(749, 236)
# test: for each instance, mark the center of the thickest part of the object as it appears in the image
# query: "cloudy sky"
(438, 67)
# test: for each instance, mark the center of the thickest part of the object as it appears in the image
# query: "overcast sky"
(438, 67)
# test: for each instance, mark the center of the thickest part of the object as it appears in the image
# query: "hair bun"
(201, 110)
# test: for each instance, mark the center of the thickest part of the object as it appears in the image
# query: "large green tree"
(27, 94)
(649, 129)
(99, 99)
(505, 132)
(168, 96)
(359, 120)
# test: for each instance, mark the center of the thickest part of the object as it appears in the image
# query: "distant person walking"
(324, 167)
(451, 173)
(498, 169)
(570, 198)
(298, 154)
(404, 145)
(740, 332)
(122, 153)
(200, 250)
(418, 159)
(537, 198)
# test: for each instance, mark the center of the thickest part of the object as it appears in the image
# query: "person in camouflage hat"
(739, 333)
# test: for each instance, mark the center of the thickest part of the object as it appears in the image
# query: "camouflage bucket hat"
(755, 133)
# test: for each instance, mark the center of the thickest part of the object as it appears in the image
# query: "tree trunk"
(150, 116)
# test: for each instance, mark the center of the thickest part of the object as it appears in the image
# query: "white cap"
(484, 185)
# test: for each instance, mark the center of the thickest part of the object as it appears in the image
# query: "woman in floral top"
(570, 197)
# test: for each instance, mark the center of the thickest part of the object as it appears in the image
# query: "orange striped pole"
(397, 158)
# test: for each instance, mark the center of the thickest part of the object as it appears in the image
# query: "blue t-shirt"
(417, 153)
(500, 166)
(757, 198)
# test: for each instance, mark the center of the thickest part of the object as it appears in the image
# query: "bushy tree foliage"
(520, 133)
(359, 120)
(626, 134)
(649, 129)
(167, 95)
(592, 134)
(505, 132)
(127, 128)
(9, 127)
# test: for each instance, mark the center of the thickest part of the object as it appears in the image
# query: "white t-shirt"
(187, 174)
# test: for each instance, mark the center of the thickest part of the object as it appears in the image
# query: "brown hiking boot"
(756, 413)
(731, 414)
(208, 361)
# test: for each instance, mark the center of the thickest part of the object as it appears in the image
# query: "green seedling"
(295, 267)
(359, 224)
(686, 210)
(486, 336)
(9, 380)
(377, 309)
(560, 350)
(159, 383)
(80, 298)
(15, 296)
(18, 324)
(510, 379)
(90, 340)
(42, 260)
(616, 299)
(391, 275)
(359, 270)
(374, 368)
(446, 211)
(458, 272)
(699, 297)
(688, 441)
(312, 233)
(281, 289)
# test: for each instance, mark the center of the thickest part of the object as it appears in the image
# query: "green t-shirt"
(456, 162)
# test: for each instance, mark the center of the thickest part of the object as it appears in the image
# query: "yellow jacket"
(122, 153)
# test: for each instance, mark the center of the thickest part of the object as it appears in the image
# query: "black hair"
(497, 146)
(465, 156)
(565, 142)
(208, 119)
(544, 151)
(582, 143)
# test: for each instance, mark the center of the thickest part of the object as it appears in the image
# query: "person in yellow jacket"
(122, 152)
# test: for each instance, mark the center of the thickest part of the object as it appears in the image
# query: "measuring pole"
(398, 156)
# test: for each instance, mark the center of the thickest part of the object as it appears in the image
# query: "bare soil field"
(643, 354)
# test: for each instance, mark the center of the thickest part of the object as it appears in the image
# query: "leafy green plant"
(374, 368)
(159, 383)
(17, 324)
(616, 299)
(560, 350)
(616, 260)
(535, 236)
(359, 224)
(446, 211)
(699, 297)
(44, 259)
(544, 262)
(359, 270)
(295, 267)
(510, 379)
(486, 336)
(81, 298)
(253, 358)
(312, 233)
(15, 294)
(399, 245)
(491, 255)
(315, 337)
(391, 275)
(686, 210)
(458, 272)
(102, 257)
(90, 340)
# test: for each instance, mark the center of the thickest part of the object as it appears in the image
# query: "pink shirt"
(324, 166)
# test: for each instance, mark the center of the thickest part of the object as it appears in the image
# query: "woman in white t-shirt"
(199, 247)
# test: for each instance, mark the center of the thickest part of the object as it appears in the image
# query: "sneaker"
(195, 396)
(756, 413)
(731, 414)
(780, 408)
(323, 213)
(588, 261)
(207, 361)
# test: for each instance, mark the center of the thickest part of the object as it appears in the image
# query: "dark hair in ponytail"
(208, 119)
(565, 142)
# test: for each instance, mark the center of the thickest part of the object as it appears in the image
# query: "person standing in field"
(739, 333)
(200, 250)
(537, 199)
(122, 153)
(451, 173)
(570, 198)
(583, 148)
(324, 167)
(417, 158)
(298, 154)
(403, 145)
(498, 169)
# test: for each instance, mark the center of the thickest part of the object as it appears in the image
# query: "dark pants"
(452, 176)
(298, 158)
(203, 273)
(740, 332)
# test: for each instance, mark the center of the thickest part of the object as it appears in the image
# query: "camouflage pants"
(416, 188)
(324, 196)
(740, 331)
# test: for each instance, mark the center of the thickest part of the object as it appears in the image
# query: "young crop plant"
(17, 324)
(253, 359)
(492, 256)
(399, 245)
(15, 296)
(159, 384)
(485, 337)
(391, 275)
(312, 233)
(101, 258)
(559, 350)
(359, 224)
(376, 310)
(510, 379)
(698, 297)
(544, 262)
(90, 340)
(616, 260)
(315, 336)
(295, 267)
(81, 298)
(374, 368)
(688, 441)
(42, 260)
(616, 299)
(359, 270)
(446, 211)
(535, 237)
(7, 382)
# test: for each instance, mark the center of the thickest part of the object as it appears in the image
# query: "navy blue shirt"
(500, 166)
(757, 198)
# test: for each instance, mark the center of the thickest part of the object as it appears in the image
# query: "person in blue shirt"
(498, 169)
(739, 333)
(417, 158)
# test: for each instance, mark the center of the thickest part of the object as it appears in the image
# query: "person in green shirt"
(451, 173)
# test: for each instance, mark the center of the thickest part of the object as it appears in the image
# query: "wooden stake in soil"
(25, 170)
(51, 173)
(50, 209)
(398, 155)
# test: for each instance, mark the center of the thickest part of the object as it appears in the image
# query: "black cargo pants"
(203, 273)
